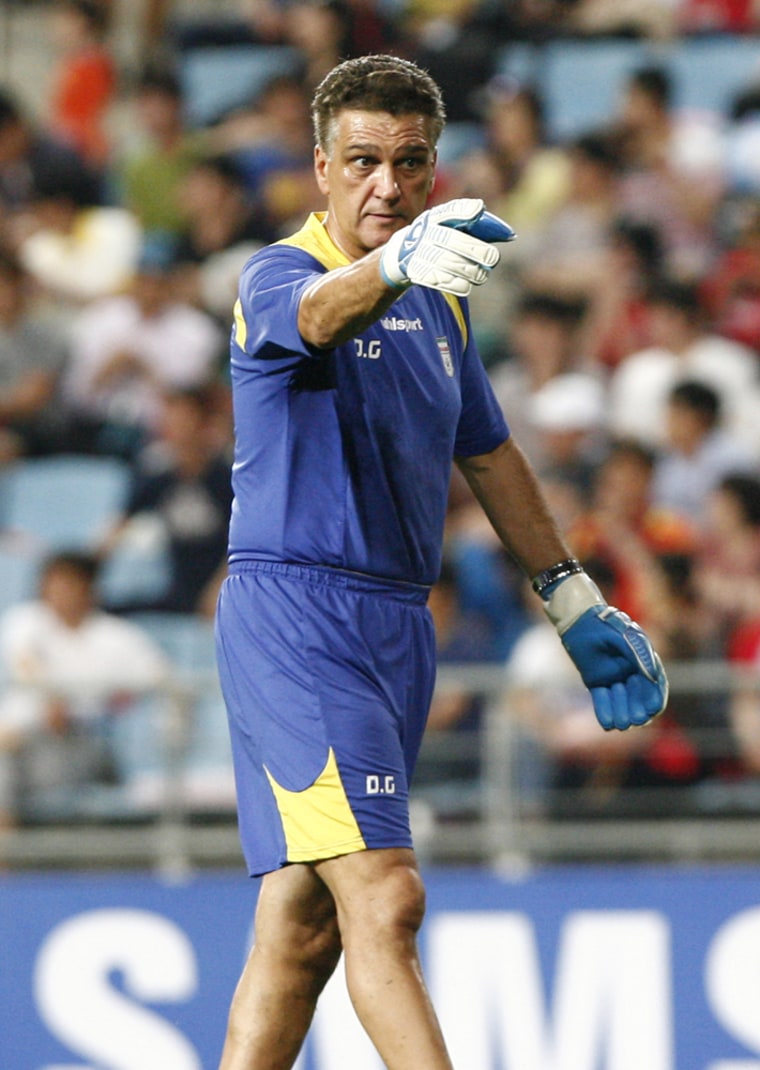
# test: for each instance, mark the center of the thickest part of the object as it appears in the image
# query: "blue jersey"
(343, 456)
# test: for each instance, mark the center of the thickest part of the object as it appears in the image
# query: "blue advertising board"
(564, 969)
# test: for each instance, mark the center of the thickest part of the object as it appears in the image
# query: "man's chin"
(377, 231)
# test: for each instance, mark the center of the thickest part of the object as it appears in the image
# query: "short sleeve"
(482, 426)
(266, 316)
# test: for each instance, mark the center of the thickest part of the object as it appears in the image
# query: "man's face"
(377, 177)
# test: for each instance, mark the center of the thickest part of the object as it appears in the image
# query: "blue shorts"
(327, 678)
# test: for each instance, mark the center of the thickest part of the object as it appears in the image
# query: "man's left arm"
(615, 658)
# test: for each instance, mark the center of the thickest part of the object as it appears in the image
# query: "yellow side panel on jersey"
(241, 330)
(318, 821)
(456, 307)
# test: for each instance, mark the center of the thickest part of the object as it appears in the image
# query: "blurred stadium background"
(593, 905)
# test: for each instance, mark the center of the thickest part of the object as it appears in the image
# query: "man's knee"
(384, 896)
(400, 902)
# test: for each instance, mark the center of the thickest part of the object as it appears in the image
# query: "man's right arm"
(449, 248)
(344, 302)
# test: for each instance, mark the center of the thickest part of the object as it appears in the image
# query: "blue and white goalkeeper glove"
(446, 248)
(615, 658)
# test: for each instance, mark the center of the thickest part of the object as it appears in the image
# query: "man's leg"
(296, 949)
(381, 902)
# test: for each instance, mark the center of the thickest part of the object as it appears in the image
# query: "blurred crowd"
(621, 331)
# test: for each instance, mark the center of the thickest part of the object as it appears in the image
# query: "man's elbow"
(484, 462)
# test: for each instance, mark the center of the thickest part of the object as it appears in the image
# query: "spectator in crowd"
(567, 413)
(569, 255)
(148, 175)
(728, 564)
(731, 290)
(182, 481)
(223, 229)
(69, 667)
(624, 531)
(626, 18)
(85, 79)
(742, 138)
(34, 163)
(77, 253)
(319, 29)
(698, 451)
(718, 16)
(616, 323)
(516, 171)
(674, 169)
(127, 350)
(543, 344)
(271, 141)
(454, 41)
(32, 355)
(683, 346)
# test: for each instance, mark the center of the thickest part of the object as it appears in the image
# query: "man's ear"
(321, 161)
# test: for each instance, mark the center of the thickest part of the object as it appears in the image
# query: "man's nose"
(387, 183)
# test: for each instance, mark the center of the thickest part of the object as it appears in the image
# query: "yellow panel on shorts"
(318, 821)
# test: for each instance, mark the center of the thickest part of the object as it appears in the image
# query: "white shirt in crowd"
(85, 666)
(639, 389)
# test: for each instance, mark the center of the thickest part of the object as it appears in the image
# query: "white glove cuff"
(390, 269)
(570, 600)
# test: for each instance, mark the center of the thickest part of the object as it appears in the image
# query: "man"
(353, 389)
(68, 667)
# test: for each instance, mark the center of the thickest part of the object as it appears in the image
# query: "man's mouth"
(387, 217)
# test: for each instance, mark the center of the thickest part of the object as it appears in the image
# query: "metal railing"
(480, 819)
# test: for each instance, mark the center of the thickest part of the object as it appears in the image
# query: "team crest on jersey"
(443, 349)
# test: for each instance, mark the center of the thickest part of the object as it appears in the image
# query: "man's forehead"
(356, 126)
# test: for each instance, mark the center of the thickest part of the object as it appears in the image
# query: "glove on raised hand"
(446, 248)
(615, 658)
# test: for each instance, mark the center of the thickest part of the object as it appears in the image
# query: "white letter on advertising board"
(612, 998)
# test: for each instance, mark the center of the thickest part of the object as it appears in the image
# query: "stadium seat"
(459, 139)
(138, 569)
(708, 72)
(218, 80)
(581, 79)
(19, 569)
(64, 502)
(206, 761)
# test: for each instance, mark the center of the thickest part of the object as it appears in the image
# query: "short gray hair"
(376, 83)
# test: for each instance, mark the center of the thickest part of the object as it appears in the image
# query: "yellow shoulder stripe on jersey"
(318, 822)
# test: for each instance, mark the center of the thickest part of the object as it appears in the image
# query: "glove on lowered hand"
(446, 248)
(615, 658)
